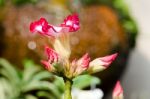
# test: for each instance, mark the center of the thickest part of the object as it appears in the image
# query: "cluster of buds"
(58, 61)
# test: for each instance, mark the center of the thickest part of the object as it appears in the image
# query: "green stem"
(68, 85)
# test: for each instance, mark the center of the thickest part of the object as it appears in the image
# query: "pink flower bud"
(118, 91)
(52, 55)
(84, 61)
(101, 63)
(70, 24)
(107, 60)
(79, 66)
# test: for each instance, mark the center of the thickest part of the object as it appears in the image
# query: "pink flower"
(118, 91)
(53, 58)
(70, 24)
(101, 63)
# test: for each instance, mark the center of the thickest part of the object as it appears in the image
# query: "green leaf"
(84, 81)
(59, 83)
(30, 97)
(46, 95)
(33, 79)
(42, 75)
(9, 71)
(28, 63)
(41, 85)
(29, 72)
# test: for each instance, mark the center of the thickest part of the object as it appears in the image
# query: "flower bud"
(53, 58)
(101, 63)
(79, 66)
(118, 91)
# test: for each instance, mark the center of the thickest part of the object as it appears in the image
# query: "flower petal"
(118, 91)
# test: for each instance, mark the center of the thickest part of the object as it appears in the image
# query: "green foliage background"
(35, 83)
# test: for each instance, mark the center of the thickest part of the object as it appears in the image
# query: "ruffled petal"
(72, 22)
(41, 26)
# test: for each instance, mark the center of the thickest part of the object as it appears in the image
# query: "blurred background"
(107, 26)
(135, 80)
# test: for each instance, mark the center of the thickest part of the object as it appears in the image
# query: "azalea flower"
(118, 91)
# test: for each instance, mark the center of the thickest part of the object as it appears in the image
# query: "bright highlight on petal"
(70, 24)
(118, 91)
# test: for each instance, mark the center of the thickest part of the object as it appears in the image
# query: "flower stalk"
(68, 87)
